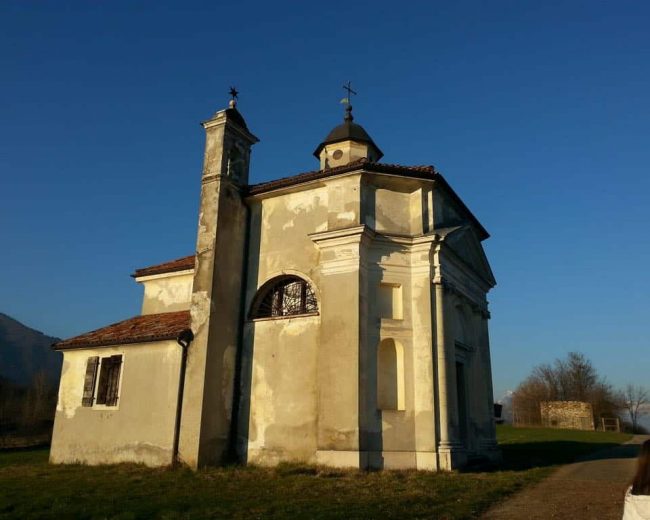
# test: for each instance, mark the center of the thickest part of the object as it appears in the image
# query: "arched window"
(284, 296)
(390, 375)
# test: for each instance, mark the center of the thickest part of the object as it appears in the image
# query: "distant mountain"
(25, 351)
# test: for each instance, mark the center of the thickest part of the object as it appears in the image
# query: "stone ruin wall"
(571, 415)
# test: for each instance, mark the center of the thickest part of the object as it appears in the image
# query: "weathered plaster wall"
(398, 209)
(167, 292)
(211, 374)
(279, 376)
(140, 428)
(310, 384)
(343, 202)
(283, 425)
(342, 431)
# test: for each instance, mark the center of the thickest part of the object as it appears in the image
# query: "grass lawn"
(30, 488)
(535, 447)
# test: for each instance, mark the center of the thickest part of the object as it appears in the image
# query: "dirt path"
(591, 489)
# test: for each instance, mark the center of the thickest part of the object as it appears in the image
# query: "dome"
(348, 131)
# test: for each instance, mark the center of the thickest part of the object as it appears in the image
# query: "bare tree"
(634, 399)
(39, 402)
(571, 379)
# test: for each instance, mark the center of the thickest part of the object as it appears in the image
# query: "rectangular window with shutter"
(108, 385)
(89, 381)
(109, 380)
(113, 384)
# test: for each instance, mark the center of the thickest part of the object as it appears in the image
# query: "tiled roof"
(180, 264)
(139, 329)
(418, 172)
(363, 163)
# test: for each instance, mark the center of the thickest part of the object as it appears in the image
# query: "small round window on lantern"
(284, 296)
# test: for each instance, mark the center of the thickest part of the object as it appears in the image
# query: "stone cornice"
(167, 275)
(341, 248)
(341, 236)
(424, 241)
(223, 179)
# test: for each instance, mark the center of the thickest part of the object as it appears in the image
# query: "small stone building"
(570, 415)
(336, 317)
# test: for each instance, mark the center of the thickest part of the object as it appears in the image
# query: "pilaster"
(450, 451)
(217, 287)
(424, 391)
(342, 352)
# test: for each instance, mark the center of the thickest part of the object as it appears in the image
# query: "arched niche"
(390, 375)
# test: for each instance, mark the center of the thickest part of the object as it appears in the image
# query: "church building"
(335, 317)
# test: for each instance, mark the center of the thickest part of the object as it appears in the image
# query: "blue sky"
(537, 113)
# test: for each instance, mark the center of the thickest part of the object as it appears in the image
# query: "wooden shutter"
(113, 381)
(89, 381)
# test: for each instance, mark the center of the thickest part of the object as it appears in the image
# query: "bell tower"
(217, 288)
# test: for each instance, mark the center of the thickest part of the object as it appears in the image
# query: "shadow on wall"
(244, 369)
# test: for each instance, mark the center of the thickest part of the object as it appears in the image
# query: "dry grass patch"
(30, 488)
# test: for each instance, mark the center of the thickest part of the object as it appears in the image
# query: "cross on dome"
(348, 88)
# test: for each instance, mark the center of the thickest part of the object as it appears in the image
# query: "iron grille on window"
(285, 296)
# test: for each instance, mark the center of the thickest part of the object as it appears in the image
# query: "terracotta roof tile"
(363, 163)
(180, 264)
(139, 329)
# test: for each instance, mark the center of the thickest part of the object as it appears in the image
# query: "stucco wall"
(404, 437)
(280, 392)
(398, 209)
(283, 425)
(309, 384)
(139, 428)
(396, 427)
(167, 292)
(312, 381)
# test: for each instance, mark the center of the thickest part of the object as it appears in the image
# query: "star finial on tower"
(233, 97)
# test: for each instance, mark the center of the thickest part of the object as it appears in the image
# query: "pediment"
(465, 243)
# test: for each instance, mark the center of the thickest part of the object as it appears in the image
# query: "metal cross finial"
(348, 87)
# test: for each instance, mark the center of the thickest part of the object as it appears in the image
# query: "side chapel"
(336, 317)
